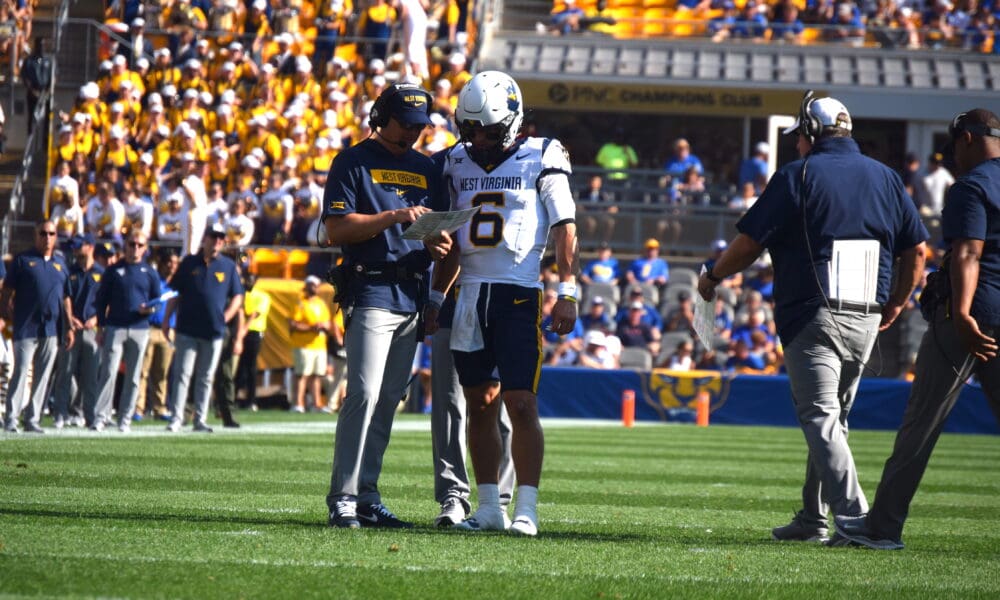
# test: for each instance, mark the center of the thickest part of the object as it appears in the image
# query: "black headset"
(809, 126)
(960, 124)
(381, 111)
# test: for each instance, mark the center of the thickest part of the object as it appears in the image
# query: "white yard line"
(324, 426)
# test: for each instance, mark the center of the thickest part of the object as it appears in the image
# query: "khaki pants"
(155, 373)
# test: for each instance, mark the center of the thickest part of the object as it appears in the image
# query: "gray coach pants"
(825, 362)
(449, 427)
(942, 368)
(197, 359)
(40, 353)
(76, 375)
(120, 343)
(380, 348)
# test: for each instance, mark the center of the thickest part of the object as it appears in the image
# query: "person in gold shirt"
(163, 72)
(308, 326)
(257, 307)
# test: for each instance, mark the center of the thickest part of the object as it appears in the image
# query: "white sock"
(489, 496)
(527, 501)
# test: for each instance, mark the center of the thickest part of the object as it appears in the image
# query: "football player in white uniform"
(522, 188)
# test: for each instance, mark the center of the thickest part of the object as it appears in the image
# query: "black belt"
(864, 308)
(388, 272)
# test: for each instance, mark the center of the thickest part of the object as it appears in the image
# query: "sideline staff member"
(832, 194)
(375, 188)
(961, 339)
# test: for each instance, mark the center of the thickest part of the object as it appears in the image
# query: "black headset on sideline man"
(381, 109)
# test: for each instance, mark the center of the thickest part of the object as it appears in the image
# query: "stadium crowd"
(225, 117)
(966, 24)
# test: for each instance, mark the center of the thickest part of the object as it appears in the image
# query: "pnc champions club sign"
(658, 99)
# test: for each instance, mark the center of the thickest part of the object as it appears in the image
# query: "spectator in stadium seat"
(682, 159)
(635, 333)
(649, 268)
(740, 358)
(597, 317)
(756, 322)
(847, 26)
(691, 188)
(617, 156)
(786, 27)
(682, 359)
(331, 17)
(650, 315)
(604, 269)
(595, 354)
(723, 324)
(277, 207)
(138, 213)
(376, 24)
(566, 20)
(681, 317)
(911, 175)
(104, 215)
(754, 169)
(745, 199)
(64, 197)
(599, 210)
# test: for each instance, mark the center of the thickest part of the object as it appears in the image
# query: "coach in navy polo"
(32, 296)
(124, 302)
(375, 189)
(76, 377)
(209, 295)
(832, 201)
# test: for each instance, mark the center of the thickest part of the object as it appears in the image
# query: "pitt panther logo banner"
(668, 391)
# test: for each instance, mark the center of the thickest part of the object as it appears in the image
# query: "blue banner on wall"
(739, 400)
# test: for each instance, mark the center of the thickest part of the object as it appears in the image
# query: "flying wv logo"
(512, 104)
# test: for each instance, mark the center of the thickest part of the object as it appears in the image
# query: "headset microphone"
(402, 145)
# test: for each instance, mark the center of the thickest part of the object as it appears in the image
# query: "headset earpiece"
(379, 116)
(809, 125)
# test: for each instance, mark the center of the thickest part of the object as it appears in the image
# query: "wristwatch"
(711, 276)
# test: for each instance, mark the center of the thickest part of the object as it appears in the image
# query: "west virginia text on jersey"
(504, 242)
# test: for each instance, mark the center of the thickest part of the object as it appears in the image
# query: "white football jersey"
(520, 198)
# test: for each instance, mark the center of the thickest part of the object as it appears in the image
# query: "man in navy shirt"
(127, 296)
(375, 188)
(32, 298)
(209, 294)
(832, 205)
(962, 337)
(76, 378)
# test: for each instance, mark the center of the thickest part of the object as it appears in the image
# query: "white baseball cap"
(595, 338)
(830, 112)
(762, 148)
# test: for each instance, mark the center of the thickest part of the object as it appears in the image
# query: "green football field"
(651, 512)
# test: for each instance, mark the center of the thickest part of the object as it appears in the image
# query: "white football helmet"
(491, 98)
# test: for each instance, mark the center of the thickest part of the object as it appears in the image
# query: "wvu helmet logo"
(220, 276)
(670, 390)
(512, 103)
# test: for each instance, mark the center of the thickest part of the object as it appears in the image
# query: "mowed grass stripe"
(650, 512)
